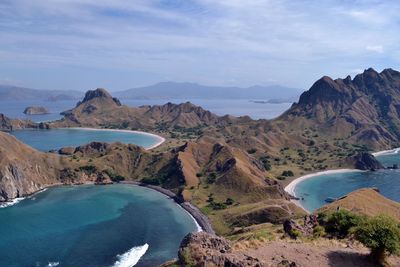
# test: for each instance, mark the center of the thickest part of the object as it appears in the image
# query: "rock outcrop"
(7, 124)
(366, 161)
(36, 111)
(203, 249)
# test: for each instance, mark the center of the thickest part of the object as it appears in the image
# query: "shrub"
(229, 201)
(287, 173)
(115, 177)
(212, 178)
(267, 164)
(90, 169)
(340, 223)
(381, 234)
(252, 151)
(295, 233)
(318, 231)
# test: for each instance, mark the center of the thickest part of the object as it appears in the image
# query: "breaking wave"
(131, 257)
(11, 203)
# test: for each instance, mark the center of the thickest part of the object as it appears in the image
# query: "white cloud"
(210, 41)
(375, 48)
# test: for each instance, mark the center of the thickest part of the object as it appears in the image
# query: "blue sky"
(83, 44)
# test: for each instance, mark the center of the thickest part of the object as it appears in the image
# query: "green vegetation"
(381, 234)
(339, 224)
(212, 178)
(89, 169)
(287, 173)
(266, 163)
(252, 151)
(114, 177)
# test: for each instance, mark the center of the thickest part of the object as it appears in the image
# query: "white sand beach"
(290, 188)
(386, 152)
(159, 138)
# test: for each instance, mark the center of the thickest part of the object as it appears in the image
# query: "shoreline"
(386, 152)
(291, 187)
(200, 219)
(158, 137)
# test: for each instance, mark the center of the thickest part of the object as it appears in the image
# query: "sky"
(119, 44)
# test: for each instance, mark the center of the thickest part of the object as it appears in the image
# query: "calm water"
(92, 226)
(315, 190)
(14, 109)
(46, 140)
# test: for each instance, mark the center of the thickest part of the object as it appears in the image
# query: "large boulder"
(203, 249)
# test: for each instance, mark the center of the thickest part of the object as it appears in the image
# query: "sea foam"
(11, 203)
(131, 257)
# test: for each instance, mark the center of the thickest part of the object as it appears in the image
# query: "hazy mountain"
(174, 90)
(8, 92)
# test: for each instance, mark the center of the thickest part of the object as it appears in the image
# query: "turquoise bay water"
(91, 226)
(241, 107)
(46, 140)
(316, 189)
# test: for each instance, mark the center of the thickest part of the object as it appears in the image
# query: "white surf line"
(291, 187)
(386, 152)
(11, 203)
(159, 138)
(131, 257)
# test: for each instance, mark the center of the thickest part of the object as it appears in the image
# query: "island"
(36, 111)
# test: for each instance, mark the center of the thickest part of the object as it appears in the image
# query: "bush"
(318, 231)
(287, 173)
(381, 234)
(266, 163)
(212, 178)
(90, 169)
(229, 201)
(252, 151)
(340, 223)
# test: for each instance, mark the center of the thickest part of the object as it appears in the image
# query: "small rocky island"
(36, 111)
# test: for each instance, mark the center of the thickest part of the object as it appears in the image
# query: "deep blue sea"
(90, 225)
(46, 140)
(316, 189)
(14, 109)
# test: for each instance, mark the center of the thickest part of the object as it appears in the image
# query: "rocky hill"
(364, 110)
(99, 108)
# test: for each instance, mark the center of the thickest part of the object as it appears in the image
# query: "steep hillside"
(24, 170)
(364, 110)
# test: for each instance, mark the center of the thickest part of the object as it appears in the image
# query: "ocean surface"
(46, 140)
(14, 109)
(316, 189)
(115, 225)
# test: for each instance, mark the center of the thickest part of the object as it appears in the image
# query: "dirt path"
(314, 255)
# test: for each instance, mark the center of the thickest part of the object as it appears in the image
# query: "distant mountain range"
(174, 90)
(8, 92)
(163, 90)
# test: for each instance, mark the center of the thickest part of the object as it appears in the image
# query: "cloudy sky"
(82, 44)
